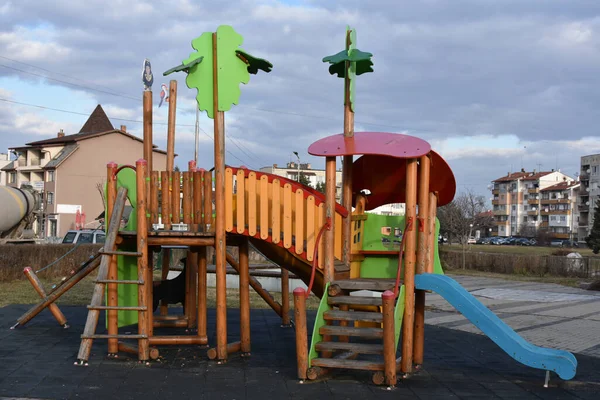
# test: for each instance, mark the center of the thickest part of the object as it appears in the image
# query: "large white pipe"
(15, 204)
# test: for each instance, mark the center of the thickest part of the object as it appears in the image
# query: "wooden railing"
(279, 211)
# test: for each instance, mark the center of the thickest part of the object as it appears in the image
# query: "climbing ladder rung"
(119, 281)
(347, 364)
(361, 348)
(365, 284)
(337, 315)
(90, 307)
(372, 333)
(104, 336)
(354, 300)
(120, 253)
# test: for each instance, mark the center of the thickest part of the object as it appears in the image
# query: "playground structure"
(371, 272)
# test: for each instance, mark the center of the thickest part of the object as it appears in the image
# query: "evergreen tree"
(593, 240)
(320, 187)
(304, 180)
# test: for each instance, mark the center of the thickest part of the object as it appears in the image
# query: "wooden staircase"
(349, 329)
(107, 254)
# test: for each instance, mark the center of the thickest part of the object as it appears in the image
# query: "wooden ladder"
(108, 252)
(357, 324)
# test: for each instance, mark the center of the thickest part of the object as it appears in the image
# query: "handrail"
(407, 228)
(326, 225)
(122, 167)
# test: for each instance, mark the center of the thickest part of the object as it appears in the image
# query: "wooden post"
(422, 255)
(147, 116)
(165, 188)
(198, 188)
(144, 293)
(285, 298)
(153, 198)
(301, 332)
(389, 337)
(431, 216)
(244, 275)
(328, 270)
(208, 202)
(176, 197)
(409, 266)
(201, 318)
(171, 125)
(347, 165)
(37, 285)
(112, 293)
(220, 244)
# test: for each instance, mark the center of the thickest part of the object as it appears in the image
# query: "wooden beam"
(329, 237)
(171, 126)
(147, 117)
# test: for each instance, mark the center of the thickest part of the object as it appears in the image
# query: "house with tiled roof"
(517, 203)
(67, 169)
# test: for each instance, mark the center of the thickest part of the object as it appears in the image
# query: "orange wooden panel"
(187, 198)
(299, 221)
(154, 197)
(197, 203)
(176, 196)
(337, 243)
(320, 223)
(251, 203)
(311, 234)
(228, 199)
(240, 201)
(276, 212)
(264, 207)
(165, 188)
(287, 216)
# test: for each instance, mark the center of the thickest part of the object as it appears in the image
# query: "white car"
(84, 236)
(471, 241)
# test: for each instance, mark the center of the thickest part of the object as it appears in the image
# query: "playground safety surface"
(37, 363)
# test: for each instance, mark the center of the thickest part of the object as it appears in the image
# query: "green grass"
(21, 292)
(532, 250)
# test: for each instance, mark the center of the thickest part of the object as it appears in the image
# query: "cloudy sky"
(493, 85)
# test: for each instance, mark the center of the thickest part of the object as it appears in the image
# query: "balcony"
(533, 191)
(583, 208)
(533, 201)
(496, 191)
(556, 201)
(501, 212)
(556, 212)
(531, 212)
(560, 235)
(544, 224)
(503, 223)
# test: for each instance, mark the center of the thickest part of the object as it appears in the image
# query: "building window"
(53, 229)
(50, 197)
(514, 208)
(12, 177)
(50, 176)
(563, 218)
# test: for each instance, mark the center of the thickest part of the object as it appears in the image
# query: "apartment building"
(68, 169)
(589, 193)
(4, 161)
(517, 203)
(558, 211)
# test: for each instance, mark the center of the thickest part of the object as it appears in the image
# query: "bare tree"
(464, 214)
(100, 188)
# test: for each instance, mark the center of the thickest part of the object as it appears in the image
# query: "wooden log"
(187, 199)
(191, 273)
(202, 285)
(409, 266)
(177, 340)
(422, 255)
(432, 236)
(276, 212)
(165, 188)
(255, 284)
(147, 118)
(240, 202)
(198, 189)
(229, 200)
(264, 207)
(299, 221)
(311, 229)
(171, 126)
(287, 216)
(112, 293)
(92, 318)
(301, 333)
(182, 323)
(37, 285)
(230, 348)
(176, 197)
(144, 273)
(285, 298)
(180, 241)
(252, 210)
(244, 283)
(166, 266)
(329, 235)
(207, 202)
(389, 345)
(153, 198)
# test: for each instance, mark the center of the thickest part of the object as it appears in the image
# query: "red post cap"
(387, 295)
(299, 291)
(27, 269)
(141, 161)
(112, 164)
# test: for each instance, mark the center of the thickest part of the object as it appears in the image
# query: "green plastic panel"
(319, 322)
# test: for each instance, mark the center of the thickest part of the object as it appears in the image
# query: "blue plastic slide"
(560, 361)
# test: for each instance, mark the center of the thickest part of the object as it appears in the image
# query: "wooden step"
(361, 348)
(104, 336)
(121, 308)
(119, 281)
(365, 284)
(347, 364)
(370, 333)
(354, 300)
(338, 315)
(120, 253)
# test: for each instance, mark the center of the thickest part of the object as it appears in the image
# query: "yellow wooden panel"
(240, 204)
(337, 243)
(251, 203)
(228, 199)
(287, 216)
(264, 207)
(299, 221)
(276, 212)
(320, 222)
(310, 227)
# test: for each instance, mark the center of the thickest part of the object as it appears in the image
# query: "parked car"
(84, 236)
(522, 242)
(485, 240)
(471, 240)
(569, 243)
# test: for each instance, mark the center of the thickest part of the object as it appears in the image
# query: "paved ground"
(36, 361)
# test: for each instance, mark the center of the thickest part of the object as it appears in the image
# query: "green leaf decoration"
(254, 63)
(184, 67)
